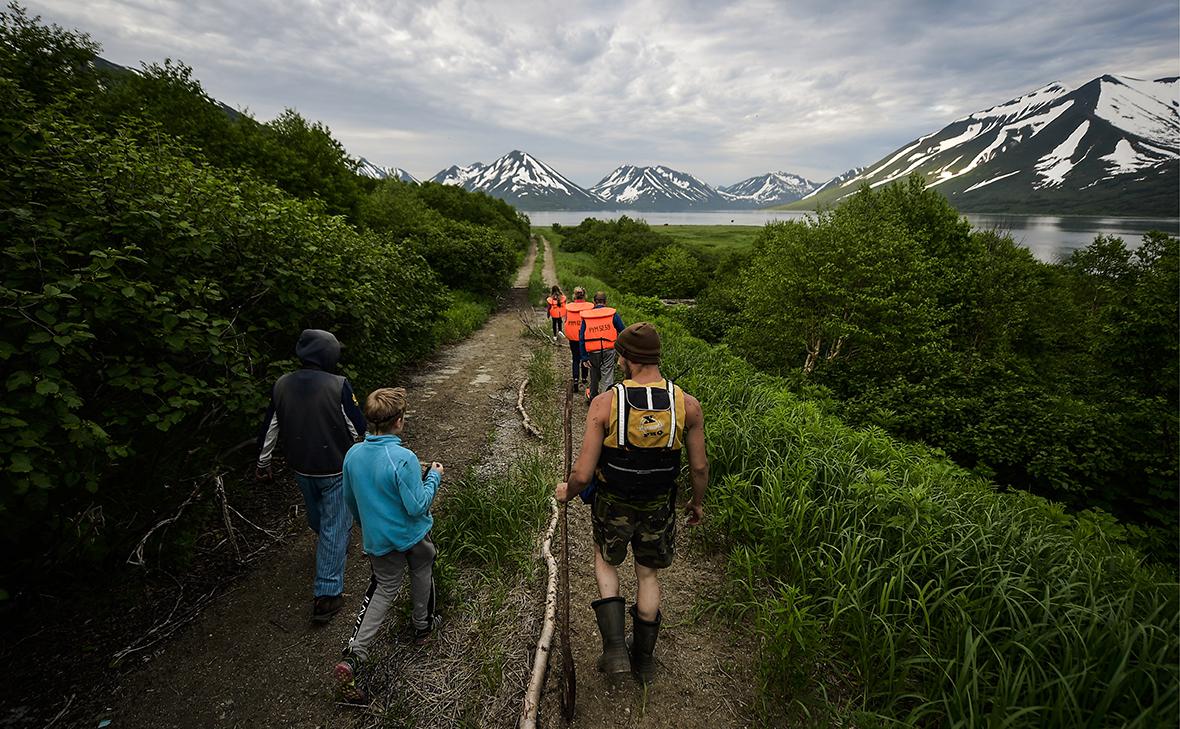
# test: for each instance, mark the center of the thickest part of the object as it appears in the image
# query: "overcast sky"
(723, 90)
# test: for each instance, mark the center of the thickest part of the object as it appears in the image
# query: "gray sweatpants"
(602, 371)
(388, 570)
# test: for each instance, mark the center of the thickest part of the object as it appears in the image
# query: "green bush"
(155, 280)
(671, 272)
(143, 296)
(1060, 379)
(466, 313)
(467, 256)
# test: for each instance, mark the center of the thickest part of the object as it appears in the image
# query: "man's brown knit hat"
(639, 343)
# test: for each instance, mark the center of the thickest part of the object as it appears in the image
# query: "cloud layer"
(722, 90)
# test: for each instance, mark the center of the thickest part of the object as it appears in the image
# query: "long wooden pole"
(569, 683)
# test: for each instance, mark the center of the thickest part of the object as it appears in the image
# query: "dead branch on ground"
(524, 416)
(532, 698)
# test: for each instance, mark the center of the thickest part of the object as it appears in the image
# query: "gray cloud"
(722, 90)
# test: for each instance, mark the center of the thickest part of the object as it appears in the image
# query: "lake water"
(1050, 237)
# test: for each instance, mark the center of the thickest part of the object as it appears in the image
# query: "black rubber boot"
(612, 623)
(643, 644)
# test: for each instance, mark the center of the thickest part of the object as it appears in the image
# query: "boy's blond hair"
(384, 406)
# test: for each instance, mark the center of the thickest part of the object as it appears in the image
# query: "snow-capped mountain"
(368, 169)
(458, 175)
(1111, 145)
(521, 180)
(656, 188)
(836, 181)
(773, 188)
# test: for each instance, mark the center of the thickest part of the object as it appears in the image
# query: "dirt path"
(549, 269)
(253, 659)
(526, 269)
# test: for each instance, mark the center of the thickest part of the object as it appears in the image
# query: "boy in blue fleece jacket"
(385, 490)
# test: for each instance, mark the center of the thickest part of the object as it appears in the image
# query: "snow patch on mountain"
(985, 183)
(1054, 166)
(1067, 139)
(1138, 107)
(522, 179)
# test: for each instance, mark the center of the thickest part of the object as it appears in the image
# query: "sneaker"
(346, 689)
(423, 636)
(325, 607)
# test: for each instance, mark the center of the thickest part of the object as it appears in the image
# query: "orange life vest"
(556, 307)
(600, 328)
(573, 318)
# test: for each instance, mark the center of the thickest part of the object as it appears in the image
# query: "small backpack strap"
(621, 406)
(672, 408)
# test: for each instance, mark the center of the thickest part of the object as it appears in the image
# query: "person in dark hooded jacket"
(315, 415)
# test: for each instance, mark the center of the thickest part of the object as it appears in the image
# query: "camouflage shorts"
(650, 532)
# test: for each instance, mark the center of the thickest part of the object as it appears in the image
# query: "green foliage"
(48, 63)
(155, 279)
(627, 251)
(670, 272)
(143, 295)
(1055, 378)
(490, 523)
(466, 313)
(475, 207)
(537, 288)
(467, 256)
(945, 601)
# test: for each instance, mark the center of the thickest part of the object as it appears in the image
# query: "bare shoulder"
(692, 410)
(601, 403)
(599, 411)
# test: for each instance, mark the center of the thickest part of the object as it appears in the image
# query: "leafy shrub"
(143, 296)
(467, 256)
(1060, 379)
(671, 272)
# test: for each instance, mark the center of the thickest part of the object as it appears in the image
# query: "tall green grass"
(466, 313)
(941, 600)
(537, 288)
(489, 522)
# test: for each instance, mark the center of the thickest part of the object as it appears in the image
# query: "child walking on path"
(385, 489)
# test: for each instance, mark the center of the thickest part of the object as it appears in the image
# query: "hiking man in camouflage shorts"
(635, 433)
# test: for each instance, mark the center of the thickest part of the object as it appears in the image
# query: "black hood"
(318, 348)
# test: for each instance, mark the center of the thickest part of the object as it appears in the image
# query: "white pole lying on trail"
(532, 697)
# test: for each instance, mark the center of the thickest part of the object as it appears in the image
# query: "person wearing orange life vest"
(635, 433)
(600, 327)
(555, 304)
(573, 326)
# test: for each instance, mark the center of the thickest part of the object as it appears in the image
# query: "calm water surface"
(1050, 237)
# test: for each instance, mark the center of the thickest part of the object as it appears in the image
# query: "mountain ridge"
(1108, 146)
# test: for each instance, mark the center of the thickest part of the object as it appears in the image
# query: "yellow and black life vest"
(640, 457)
(600, 328)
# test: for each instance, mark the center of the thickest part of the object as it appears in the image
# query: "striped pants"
(388, 572)
(328, 517)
